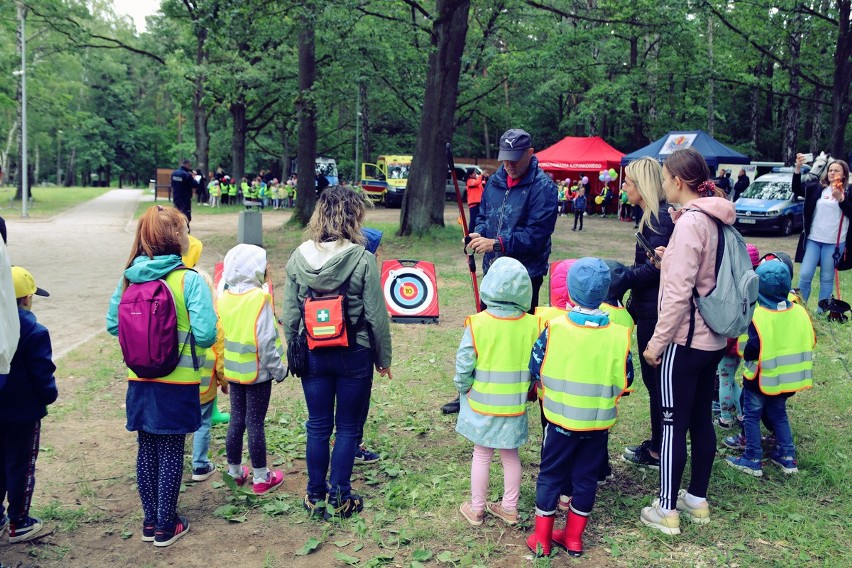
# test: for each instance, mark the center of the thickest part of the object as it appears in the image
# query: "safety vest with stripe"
(208, 380)
(547, 313)
(185, 373)
(618, 316)
(501, 377)
(239, 314)
(584, 374)
(787, 339)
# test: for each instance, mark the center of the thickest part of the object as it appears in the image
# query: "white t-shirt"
(827, 215)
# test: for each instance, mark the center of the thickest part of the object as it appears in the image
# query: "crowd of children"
(573, 197)
(223, 190)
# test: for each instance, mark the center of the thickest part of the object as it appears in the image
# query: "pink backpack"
(147, 329)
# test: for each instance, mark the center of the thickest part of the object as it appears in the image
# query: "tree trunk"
(423, 203)
(486, 139)
(840, 103)
(711, 83)
(70, 169)
(638, 136)
(366, 147)
(238, 140)
(791, 126)
(306, 111)
(816, 127)
(199, 111)
(755, 109)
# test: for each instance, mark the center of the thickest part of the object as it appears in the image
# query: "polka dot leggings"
(159, 468)
(249, 404)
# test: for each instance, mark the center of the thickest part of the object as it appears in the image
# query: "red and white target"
(410, 290)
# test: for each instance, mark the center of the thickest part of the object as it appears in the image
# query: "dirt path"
(76, 256)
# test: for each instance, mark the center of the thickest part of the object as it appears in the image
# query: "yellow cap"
(190, 259)
(25, 283)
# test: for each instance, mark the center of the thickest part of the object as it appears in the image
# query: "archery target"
(410, 290)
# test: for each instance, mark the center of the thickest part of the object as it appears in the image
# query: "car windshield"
(398, 171)
(768, 190)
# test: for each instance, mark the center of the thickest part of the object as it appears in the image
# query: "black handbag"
(800, 248)
(297, 355)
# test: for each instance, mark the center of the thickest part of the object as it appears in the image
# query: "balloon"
(568, 181)
(599, 199)
(602, 177)
(613, 174)
(585, 180)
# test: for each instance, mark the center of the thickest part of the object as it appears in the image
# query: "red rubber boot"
(542, 535)
(571, 537)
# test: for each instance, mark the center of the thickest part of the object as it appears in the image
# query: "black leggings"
(249, 404)
(159, 468)
(578, 215)
(686, 391)
(651, 378)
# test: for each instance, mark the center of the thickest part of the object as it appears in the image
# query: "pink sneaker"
(273, 480)
(241, 480)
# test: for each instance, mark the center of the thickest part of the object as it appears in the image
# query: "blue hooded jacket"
(525, 216)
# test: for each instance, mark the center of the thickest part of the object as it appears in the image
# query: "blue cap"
(588, 282)
(374, 238)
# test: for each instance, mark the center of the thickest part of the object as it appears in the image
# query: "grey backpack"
(729, 306)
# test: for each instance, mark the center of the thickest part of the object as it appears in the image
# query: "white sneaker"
(653, 516)
(698, 515)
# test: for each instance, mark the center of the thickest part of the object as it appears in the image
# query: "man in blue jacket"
(183, 182)
(517, 215)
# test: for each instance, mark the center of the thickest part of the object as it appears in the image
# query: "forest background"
(245, 85)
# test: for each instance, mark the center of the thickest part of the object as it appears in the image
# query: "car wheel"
(787, 227)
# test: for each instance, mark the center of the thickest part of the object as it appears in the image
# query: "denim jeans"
(775, 407)
(201, 438)
(344, 377)
(822, 255)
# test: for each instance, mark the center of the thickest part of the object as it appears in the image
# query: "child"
(562, 198)
(574, 445)
(212, 377)
(493, 381)
(163, 410)
(778, 355)
(215, 190)
(612, 305)
(579, 207)
(253, 352)
(624, 206)
(728, 394)
(29, 388)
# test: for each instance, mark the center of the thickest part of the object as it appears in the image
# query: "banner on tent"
(676, 142)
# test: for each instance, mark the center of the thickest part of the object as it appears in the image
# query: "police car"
(769, 205)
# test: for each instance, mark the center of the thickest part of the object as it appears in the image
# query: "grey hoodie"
(324, 267)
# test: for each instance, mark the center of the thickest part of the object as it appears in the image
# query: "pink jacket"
(689, 261)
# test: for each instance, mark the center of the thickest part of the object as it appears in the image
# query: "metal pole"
(25, 190)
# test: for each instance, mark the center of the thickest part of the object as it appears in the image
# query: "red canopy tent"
(574, 157)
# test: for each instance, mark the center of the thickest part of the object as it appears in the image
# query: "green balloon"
(612, 173)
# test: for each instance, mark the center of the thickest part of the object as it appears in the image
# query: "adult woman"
(643, 183)
(334, 260)
(164, 410)
(828, 209)
(688, 349)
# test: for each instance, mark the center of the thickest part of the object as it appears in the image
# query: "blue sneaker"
(365, 456)
(736, 442)
(746, 466)
(788, 464)
(28, 530)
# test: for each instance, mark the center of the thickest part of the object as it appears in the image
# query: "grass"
(46, 202)
(412, 495)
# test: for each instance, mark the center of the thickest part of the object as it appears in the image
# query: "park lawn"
(47, 202)
(412, 495)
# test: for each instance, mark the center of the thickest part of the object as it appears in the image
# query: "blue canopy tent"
(714, 152)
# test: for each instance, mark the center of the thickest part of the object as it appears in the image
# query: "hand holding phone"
(643, 242)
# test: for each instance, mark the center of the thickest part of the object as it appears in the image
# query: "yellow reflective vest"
(618, 316)
(185, 373)
(787, 339)
(547, 313)
(501, 376)
(584, 374)
(239, 314)
(213, 367)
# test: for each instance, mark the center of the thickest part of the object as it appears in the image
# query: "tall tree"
(306, 111)
(423, 204)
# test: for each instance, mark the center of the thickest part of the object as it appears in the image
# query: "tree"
(306, 111)
(423, 204)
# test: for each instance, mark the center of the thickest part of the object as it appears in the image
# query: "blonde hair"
(338, 215)
(157, 234)
(647, 175)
